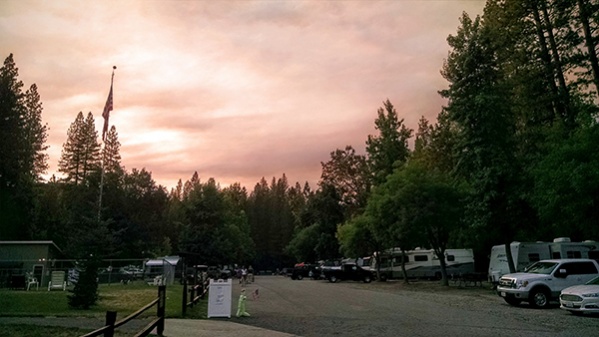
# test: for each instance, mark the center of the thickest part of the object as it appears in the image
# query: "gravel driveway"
(319, 308)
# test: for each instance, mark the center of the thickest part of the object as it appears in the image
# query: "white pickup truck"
(543, 281)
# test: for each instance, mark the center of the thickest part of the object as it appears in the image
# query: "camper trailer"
(422, 263)
(525, 253)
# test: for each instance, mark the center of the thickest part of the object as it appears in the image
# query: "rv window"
(450, 258)
(573, 254)
(420, 258)
(534, 257)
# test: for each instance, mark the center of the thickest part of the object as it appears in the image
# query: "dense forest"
(511, 156)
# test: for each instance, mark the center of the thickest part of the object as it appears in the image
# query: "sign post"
(219, 298)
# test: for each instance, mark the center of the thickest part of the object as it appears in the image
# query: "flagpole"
(109, 101)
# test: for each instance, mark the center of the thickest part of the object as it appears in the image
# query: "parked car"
(348, 272)
(302, 270)
(582, 298)
(544, 280)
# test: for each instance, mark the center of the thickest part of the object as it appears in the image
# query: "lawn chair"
(32, 281)
(57, 281)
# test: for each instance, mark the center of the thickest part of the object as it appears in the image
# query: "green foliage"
(389, 149)
(22, 156)
(566, 190)
(348, 173)
(81, 152)
(303, 245)
(416, 206)
(356, 237)
(85, 293)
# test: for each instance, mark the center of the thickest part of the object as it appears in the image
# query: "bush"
(85, 293)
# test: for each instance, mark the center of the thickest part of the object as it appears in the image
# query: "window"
(534, 257)
(541, 268)
(450, 258)
(573, 254)
(420, 258)
(556, 255)
(579, 268)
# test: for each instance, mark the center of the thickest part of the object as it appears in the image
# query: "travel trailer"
(525, 253)
(422, 263)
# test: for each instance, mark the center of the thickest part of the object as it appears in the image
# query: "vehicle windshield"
(594, 281)
(541, 268)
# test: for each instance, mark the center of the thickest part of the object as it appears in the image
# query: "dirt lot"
(424, 308)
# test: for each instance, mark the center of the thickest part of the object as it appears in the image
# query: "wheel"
(333, 279)
(513, 301)
(300, 277)
(367, 279)
(539, 298)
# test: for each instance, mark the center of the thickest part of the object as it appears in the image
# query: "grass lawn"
(124, 299)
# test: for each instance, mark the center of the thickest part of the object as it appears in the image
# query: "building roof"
(50, 243)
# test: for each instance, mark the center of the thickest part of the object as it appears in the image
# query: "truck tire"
(333, 279)
(539, 298)
(513, 301)
(367, 279)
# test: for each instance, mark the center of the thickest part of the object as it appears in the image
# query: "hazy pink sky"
(235, 90)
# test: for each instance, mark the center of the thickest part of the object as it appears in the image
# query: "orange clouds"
(235, 90)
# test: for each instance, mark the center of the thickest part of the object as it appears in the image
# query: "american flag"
(106, 113)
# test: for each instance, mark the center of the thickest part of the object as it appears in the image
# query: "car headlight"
(521, 284)
(590, 295)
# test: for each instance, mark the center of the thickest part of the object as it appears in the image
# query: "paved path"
(172, 327)
(215, 327)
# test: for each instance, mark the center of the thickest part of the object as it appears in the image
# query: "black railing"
(158, 323)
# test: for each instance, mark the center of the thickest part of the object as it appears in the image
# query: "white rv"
(422, 263)
(525, 253)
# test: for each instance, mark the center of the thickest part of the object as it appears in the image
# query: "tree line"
(511, 156)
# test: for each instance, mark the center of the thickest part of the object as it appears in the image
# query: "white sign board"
(219, 298)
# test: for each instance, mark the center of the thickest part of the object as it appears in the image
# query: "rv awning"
(172, 260)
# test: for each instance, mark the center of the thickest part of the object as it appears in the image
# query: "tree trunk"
(546, 58)
(403, 266)
(441, 256)
(564, 95)
(584, 20)
(510, 258)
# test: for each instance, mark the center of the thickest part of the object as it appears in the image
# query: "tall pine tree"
(81, 152)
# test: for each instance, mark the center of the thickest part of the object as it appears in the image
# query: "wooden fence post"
(184, 301)
(161, 308)
(110, 320)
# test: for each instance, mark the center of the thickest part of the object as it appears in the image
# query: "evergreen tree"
(22, 157)
(85, 293)
(81, 152)
(479, 105)
(389, 149)
(12, 132)
(111, 153)
(35, 133)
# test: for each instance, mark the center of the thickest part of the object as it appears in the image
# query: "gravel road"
(319, 308)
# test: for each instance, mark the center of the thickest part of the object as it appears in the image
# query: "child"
(241, 305)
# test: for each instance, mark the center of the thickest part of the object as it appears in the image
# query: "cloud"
(236, 90)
